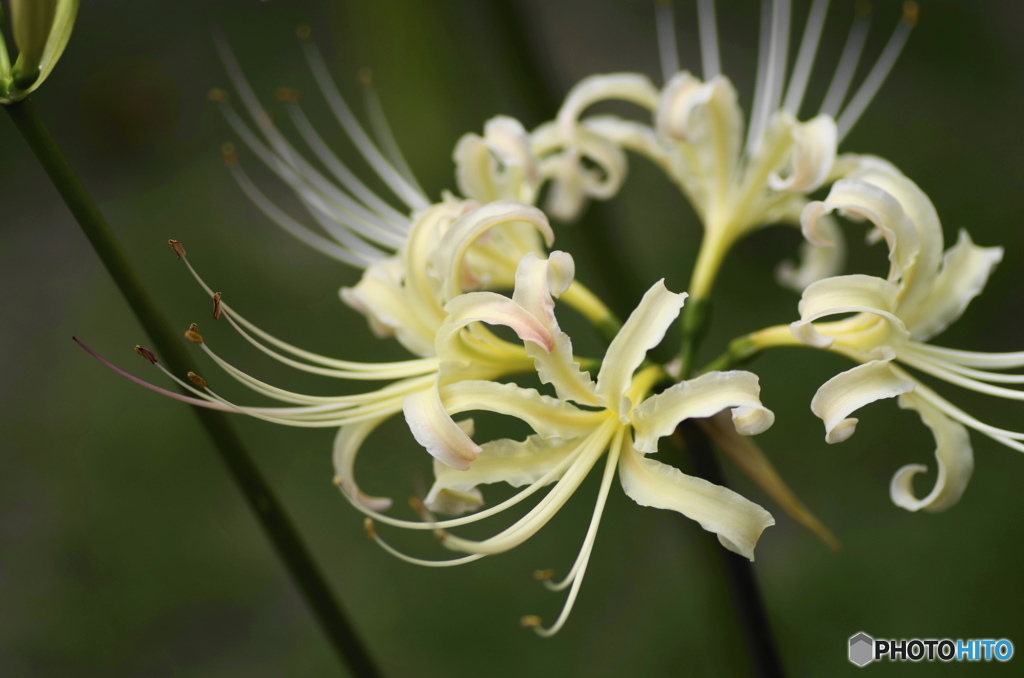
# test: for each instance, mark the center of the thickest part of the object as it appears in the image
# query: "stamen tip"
(192, 334)
(178, 248)
(417, 505)
(286, 94)
(338, 481)
(216, 305)
(145, 353)
(303, 32)
(196, 380)
(364, 76)
(371, 530)
(440, 535)
(543, 575)
(911, 11)
(228, 154)
(530, 621)
(217, 96)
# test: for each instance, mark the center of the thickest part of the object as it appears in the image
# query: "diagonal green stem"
(268, 511)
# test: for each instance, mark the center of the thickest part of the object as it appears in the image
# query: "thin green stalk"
(268, 511)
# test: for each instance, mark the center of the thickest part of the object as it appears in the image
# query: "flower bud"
(41, 31)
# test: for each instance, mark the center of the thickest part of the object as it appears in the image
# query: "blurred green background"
(126, 550)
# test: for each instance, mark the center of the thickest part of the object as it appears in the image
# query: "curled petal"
(631, 87)
(435, 430)
(381, 298)
(953, 454)
(642, 331)
(851, 390)
(818, 260)
(346, 446)
(965, 270)
(814, 153)
(737, 521)
(493, 309)
(701, 397)
(573, 182)
(498, 166)
(849, 294)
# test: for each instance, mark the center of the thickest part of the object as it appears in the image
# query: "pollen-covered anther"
(371, 530)
(543, 575)
(286, 94)
(228, 154)
(303, 32)
(196, 380)
(417, 505)
(530, 621)
(338, 481)
(364, 76)
(217, 96)
(192, 334)
(178, 248)
(216, 305)
(910, 13)
(146, 353)
(440, 535)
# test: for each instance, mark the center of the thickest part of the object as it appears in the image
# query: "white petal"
(435, 430)
(493, 309)
(642, 331)
(631, 87)
(814, 153)
(346, 446)
(703, 396)
(851, 390)
(954, 457)
(965, 270)
(849, 294)
(737, 521)
(498, 166)
(818, 260)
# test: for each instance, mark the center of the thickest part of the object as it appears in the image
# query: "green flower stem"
(268, 511)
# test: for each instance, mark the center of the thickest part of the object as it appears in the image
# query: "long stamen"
(996, 361)
(879, 73)
(805, 57)
(848, 61)
(371, 532)
(668, 52)
(579, 568)
(706, 23)
(407, 193)
(960, 380)
(981, 375)
(764, 53)
(382, 130)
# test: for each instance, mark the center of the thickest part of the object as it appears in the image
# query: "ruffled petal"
(498, 166)
(703, 396)
(953, 454)
(493, 309)
(434, 429)
(642, 331)
(851, 390)
(850, 294)
(812, 157)
(737, 521)
(346, 446)
(965, 270)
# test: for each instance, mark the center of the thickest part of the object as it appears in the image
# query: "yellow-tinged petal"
(737, 521)
(435, 430)
(848, 294)
(346, 446)
(851, 390)
(701, 397)
(953, 454)
(498, 166)
(642, 331)
(813, 154)
(631, 87)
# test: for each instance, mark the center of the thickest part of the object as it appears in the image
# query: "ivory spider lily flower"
(359, 228)
(894, 318)
(616, 417)
(738, 180)
(42, 29)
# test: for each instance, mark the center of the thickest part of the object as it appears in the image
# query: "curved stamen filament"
(382, 130)
(414, 560)
(980, 375)
(805, 57)
(668, 52)
(941, 372)
(710, 62)
(995, 361)
(852, 51)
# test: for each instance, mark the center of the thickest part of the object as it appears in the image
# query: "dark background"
(124, 547)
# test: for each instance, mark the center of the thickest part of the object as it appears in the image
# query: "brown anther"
(371, 531)
(146, 353)
(863, 8)
(217, 96)
(364, 76)
(303, 32)
(216, 305)
(417, 505)
(338, 481)
(910, 13)
(286, 94)
(196, 380)
(192, 334)
(178, 248)
(228, 154)
(543, 575)
(440, 535)
(530, 621)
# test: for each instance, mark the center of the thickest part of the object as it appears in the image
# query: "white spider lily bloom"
(737, 178)
(894, 319)
(41, 31)
(362, 229)
(615, 417)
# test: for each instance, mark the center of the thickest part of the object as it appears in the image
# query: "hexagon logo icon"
(862, 649)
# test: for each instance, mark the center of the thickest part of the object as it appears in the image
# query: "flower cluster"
(469, 285)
